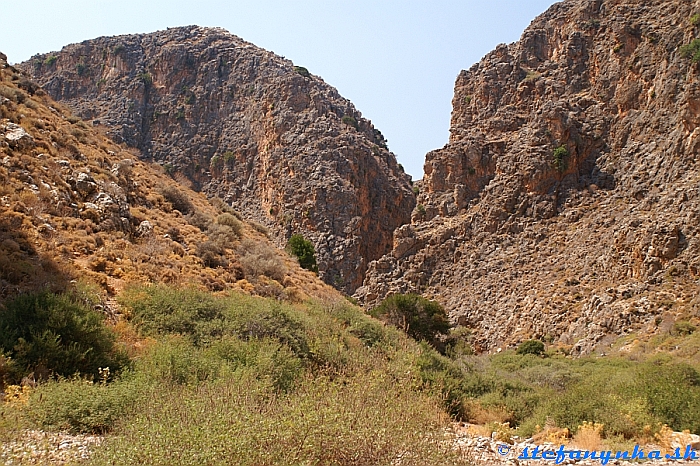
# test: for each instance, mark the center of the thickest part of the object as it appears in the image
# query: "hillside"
(241, 123)
(565, 206)
(75, 205)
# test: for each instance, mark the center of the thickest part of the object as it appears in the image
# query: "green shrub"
(229, 157)
(146, 78)
(691, 51)
(205, 318)
(50, 60)
(560, 154)
(55, 334)
(179, 200)
(351, 121)
(371, 419)
(695, 19)
(302, 71)
(683, 327)
(535, 347)
(81, 406)
(164, 310)
(303, 250)
(81, 68)
(420, 318)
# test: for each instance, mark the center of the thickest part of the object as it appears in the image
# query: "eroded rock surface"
(519, 238)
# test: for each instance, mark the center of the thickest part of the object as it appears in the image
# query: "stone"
(16, 137)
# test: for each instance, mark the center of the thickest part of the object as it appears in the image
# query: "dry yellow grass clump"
(75, 204)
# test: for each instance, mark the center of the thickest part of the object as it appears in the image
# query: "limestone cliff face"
(241, 123)
(566, 204)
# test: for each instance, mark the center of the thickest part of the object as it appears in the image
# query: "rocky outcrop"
(565, 205)
(243, 124)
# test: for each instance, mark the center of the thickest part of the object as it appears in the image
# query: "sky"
(397, 61)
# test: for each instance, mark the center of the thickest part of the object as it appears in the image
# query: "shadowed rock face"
(239, 122)
(521, 239)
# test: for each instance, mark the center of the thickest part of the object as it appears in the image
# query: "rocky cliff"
(276, 142)
(566, 205)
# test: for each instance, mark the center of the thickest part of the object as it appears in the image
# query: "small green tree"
(420, 318)
(535, 347)
(303, 249)
(560, 154)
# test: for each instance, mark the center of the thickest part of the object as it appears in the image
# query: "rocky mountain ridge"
(241, 123)
(565, 205)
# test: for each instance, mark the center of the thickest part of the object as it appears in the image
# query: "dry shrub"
(182, 180)
(212, 254)
(588, 436)
(551, 434)
(230, 221)
(665, 437)
(480, 415)
(501, 431)
(199, 220)
(260, 259)
(260, 228)
(179, 200)
(222, 235)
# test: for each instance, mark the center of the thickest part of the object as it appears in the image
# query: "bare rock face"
(239, 122)
(566, 204)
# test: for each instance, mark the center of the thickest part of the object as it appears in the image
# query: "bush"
(350, 121)
(81, 406)
(303, 249)
(302, 71)
(260, 259)
(230, 221)
(212, 254)
(199, 220)
(420, 318)
(222, 235)
(691, 51)
(55, 334)
(229, 157)
(683, 327)
(179, 200)
(535, 347)
(559, 155)
(350, 421)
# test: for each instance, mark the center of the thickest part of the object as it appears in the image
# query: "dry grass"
(589, 436)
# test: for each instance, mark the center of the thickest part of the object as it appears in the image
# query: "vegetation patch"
(303, 250)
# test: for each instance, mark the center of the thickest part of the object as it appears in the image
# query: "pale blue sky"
(395, 60)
